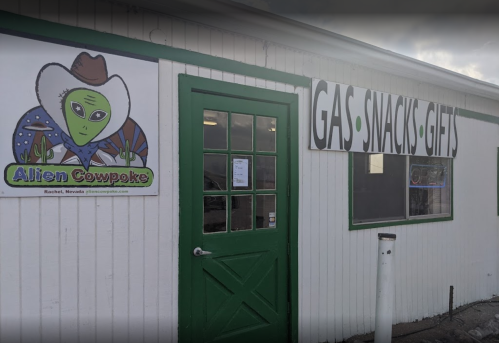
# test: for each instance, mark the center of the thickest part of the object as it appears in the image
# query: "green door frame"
(192, 84)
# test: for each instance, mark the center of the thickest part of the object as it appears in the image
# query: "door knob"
(200, 252)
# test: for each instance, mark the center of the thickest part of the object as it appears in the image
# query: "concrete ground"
(440, 329)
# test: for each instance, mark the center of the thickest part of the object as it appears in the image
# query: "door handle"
(200, 252)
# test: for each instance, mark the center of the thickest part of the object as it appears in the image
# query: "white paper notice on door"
(240, 172)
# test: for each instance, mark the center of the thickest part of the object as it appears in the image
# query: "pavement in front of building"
(478, 316)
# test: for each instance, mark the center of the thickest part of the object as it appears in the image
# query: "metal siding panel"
(68, 12)
(49, 10)
(249, 50)
(151, 29)
(165, 25)
(86, 14)
(216, 40)
(119, 20)
(121, 260)
(216, 75)
(10, 6)
(228, 77)
(321, 233)
(239, 79)
(260, 53)
(151, 269)
(30, 270)
(104, 269)
(280, 58)
(103, 16)
(305, 244)
(239, 48)
(167, 81)
(30, 8)
(321, 204)
(270, 57)
(204, 42)
(86, 269)
(68, 215)
(136, 276)
(178, 33)
(191, 37)
(228, 45)
(136, 24)
(49, 269)
(178, 68)
(299, 65)
(10, 274)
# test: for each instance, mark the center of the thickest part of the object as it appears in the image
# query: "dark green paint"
(358, 124)
(421, 131)
(42, 28)
(478, 116)
(194, 91)
(352, 226)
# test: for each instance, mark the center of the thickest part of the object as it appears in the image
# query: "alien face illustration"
(87, 113)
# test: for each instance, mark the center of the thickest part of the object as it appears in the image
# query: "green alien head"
(87, 113)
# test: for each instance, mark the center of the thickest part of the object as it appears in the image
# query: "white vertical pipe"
(385, 289)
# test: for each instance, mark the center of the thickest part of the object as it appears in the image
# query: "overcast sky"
(463, 37)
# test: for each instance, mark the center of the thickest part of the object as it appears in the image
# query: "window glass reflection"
(215, 130)
(265, 172)
(215, 214)
(265, 134)
(242, 213)
(215, 172)
(241, 132)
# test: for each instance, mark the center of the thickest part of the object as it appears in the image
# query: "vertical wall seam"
(20, 273)
(128, 266)
(60, 268)
(143, 268)
(78, 269)
(1, 239)
(112, 270)
(95, 259)
(40, 266)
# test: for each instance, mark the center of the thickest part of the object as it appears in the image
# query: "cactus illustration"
(25, 157)
(126, 154)
(42, 153)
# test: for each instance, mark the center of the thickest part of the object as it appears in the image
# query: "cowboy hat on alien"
(83, 119)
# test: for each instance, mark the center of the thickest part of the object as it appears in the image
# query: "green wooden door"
(238, 217)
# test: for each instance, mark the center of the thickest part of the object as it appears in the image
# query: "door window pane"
(215, 172)
(429, 186)
(265, 172)
(265, 134)
(241, 132)
(215, 129)
(242, 214)
(215, 214)
(265, 211)
(242, 172)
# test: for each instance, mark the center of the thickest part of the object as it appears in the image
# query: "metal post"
(451, 301)
(385, 288)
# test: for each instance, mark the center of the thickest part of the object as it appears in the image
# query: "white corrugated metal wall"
(90, 269)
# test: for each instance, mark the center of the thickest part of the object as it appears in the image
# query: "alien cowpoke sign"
(81, 135)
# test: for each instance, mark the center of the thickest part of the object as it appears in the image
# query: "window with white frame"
(388, 188)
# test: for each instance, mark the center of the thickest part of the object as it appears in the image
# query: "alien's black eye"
(97, 115)
(78, 109)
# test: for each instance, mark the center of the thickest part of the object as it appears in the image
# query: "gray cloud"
(464, 38)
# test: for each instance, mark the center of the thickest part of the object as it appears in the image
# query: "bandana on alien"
(84, 152)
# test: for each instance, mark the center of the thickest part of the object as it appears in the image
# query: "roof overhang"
(245, 20)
